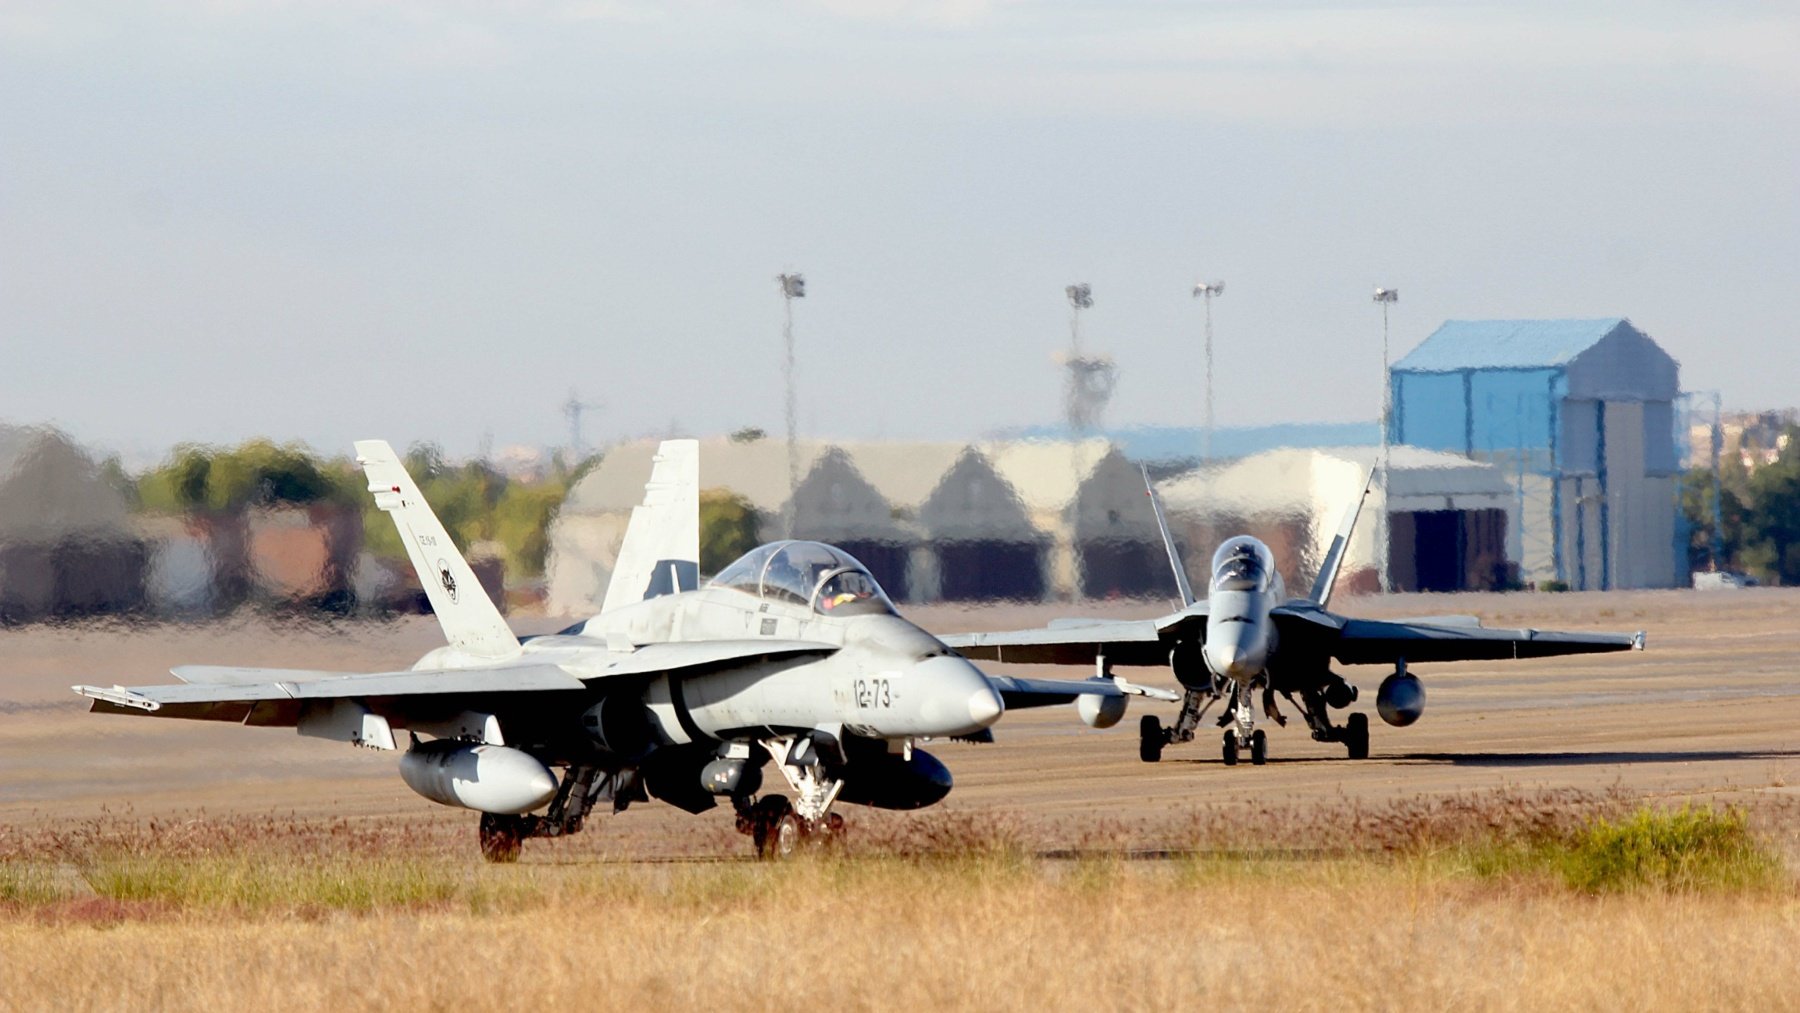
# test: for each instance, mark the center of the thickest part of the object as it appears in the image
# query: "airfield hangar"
(1579, 416)
(1013, 520)
(67, 547)
(1294, 499)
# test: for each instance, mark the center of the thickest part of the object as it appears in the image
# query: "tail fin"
(661, 553)
(471, 622)
(1162, 525)
(1340, 543)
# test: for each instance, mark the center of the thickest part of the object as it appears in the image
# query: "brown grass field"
(153, 864)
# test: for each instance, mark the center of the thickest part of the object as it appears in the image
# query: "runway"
(1710, 711)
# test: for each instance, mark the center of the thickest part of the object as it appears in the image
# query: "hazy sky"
(424, 219)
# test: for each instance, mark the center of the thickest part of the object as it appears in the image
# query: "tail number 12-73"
(874, 693)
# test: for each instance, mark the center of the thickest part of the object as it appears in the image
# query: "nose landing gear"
(778, 827)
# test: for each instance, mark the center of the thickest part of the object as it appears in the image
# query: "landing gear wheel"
(1356, 736)
(1231, 749)
(501, 837)
(1151, 739)
(1259, 747)
(776, 828)
(784, 835)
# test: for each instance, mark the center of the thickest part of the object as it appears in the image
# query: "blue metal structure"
(1558, 405)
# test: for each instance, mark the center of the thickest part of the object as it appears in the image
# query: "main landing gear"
(1315, 706)
(1153, 737)
(503, 835)
(1242, 736)
(778, 827)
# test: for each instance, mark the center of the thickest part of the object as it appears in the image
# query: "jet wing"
(1122, 642)
(211, 693)
(1371, 642)
(673, 656)
(222, 700)
(1019, 694)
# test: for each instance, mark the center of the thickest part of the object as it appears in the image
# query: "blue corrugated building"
(1579, 414)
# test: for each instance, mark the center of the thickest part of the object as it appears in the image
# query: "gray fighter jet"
(1249, 641)
(673, 692)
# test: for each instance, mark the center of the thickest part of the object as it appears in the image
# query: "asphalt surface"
(1710, 710)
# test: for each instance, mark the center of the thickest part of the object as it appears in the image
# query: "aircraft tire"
(1259, 747)
(1151, 739)
(776, 829)
(502, 836)
(1230, 752)
(1356, 736)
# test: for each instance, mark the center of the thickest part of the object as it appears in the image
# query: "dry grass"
(893, 934)
(1350, 907)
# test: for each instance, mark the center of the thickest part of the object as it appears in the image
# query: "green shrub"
(1681, 850)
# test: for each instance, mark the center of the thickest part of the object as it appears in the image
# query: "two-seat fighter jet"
(1248, 641)
(674, 692)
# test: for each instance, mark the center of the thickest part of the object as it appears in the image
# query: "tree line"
(476, 502)
(1758, 515)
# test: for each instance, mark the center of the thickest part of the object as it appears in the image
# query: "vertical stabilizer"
(661, 552)
(1340, 544)
(1162, 525)
(471, 622)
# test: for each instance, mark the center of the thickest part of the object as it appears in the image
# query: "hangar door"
(1448, 550)
(886, 562)
(990, 570)
(1123, 568)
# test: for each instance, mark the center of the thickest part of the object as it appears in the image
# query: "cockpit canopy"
(1242, 564)
(824, 577)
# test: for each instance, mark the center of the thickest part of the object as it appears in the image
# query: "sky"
(416, 220)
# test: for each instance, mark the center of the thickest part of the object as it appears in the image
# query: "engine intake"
(619, 724)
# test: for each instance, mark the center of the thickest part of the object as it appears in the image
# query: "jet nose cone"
(985, 707)
(958, 699)
(1232, 658)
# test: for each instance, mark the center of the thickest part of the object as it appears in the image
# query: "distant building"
(932, 521)
(1087, 501)
(1449, 516)
(1579, 415)
(67, 546)
(1166, 447)
(1752, 439)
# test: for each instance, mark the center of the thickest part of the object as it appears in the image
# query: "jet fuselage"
(1245, 589)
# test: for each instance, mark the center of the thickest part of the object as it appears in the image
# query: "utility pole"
(1384, 552)
(1206, 291)
(793, 286)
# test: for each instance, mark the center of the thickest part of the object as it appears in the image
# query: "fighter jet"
(674, 692)
(1248, 641)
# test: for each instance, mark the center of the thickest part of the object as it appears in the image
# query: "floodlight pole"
(1081, 297)
(1206, 291)
(1715, 548)
(1384, 552)
(793, 286)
